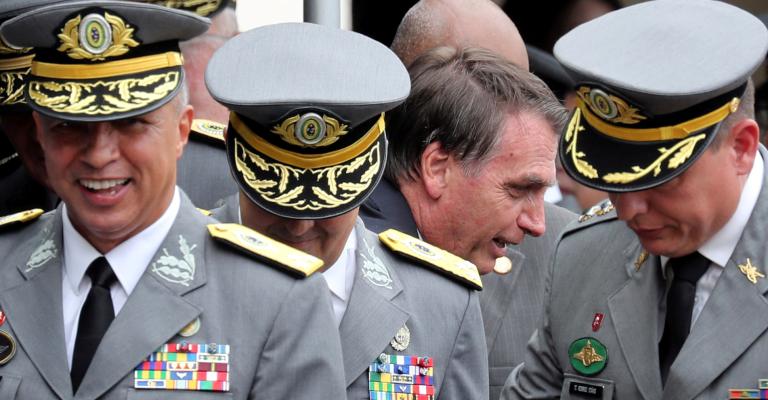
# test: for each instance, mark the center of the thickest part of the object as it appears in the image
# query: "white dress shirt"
(341, 276)
(719, 248)
(128, 261)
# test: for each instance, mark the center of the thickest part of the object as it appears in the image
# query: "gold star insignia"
(587, 355)
(640, 260)
(750, 271)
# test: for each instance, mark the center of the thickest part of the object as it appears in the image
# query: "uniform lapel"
(156, 310)
(496, 295)
(372, 318)
(34, 308)
(735, 315)
(633, 309)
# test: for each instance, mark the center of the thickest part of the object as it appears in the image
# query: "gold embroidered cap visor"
(102, 60)
(611, 145)
(14, 67)
(294, 180)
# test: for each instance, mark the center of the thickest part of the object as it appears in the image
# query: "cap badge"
(96, 37)
(750, 271)
(609, 107)
(173, 269)
(310, 130)
(588, 356)
(402, 338)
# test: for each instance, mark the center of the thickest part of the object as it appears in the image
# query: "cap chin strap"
(679, 131)
(107, 69)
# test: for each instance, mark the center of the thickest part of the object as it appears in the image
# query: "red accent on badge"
(2, 318)
(597, 322)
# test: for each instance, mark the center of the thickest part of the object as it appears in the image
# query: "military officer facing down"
(660, 294)
(307, 145)
(126, 289)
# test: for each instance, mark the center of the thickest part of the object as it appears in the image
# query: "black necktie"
(95, 317)
(680, 298)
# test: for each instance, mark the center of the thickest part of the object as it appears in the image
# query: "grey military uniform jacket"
(203, 171)
(263, 314)
(599, 269)
(512, 304)
(389, 292)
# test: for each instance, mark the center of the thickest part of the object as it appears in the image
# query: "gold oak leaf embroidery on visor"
(336, 186)
(12, 87)
(103, 98)
(679, 153)
(202, 7)
(571, 137)
(118, 36)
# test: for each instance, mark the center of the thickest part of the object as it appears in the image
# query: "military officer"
(126, 289)
(306, 143)
(22, 168)
(661, 293)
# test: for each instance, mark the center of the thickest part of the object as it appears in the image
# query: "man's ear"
(743, 141)
(436, 168)
(185, 125)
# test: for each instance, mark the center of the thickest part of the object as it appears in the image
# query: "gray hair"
(461, 99)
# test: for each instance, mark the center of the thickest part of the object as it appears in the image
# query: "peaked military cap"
(203, 8)
(306, 133)
(102, 60)
(654, 83)
(15, 61)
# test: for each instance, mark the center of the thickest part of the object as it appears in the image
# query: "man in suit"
(306, 144)
(659, 294)
(512, 301)
(126, 289)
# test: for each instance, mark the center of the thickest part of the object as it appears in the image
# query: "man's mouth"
(97, 185)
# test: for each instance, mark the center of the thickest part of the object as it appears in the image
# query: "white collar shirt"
(340, 277)
(128, 261)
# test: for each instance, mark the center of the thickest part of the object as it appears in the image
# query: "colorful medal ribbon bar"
(400, 377)
(185, 366)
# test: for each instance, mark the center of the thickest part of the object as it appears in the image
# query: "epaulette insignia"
(265, 249)
(597, 210)
(210, 130)
(20, 218)
(205, 212)
(442, 261)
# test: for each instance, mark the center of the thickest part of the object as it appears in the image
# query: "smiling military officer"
(307, 145)
(660, 293)
(126, 290)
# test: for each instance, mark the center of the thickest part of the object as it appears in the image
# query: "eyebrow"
(530, 183)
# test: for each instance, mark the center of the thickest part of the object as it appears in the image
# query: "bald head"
(458, 24)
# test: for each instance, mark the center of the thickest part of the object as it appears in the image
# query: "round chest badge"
(310, 129)
(588, 356)
(95, 34)
(7, 347)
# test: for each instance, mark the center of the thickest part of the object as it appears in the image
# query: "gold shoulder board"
(438, 259)
(20, 218)
(252, 243)
(209, 130)
(205, 212)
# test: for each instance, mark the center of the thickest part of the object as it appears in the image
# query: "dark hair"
(461, 99)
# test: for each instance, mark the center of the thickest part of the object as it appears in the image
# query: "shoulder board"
(209, 130)
(254, 244)
(438, 259)
(20, 218)
(205, 212)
